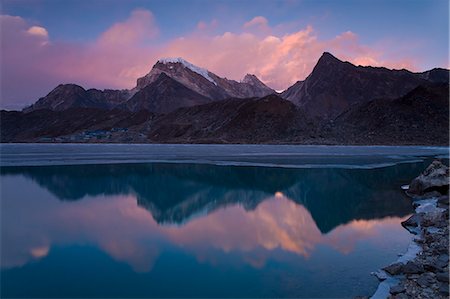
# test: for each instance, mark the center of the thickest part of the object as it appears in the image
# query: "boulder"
(443, 289)
(394, 269)
(412, 268)
(434, 178)
(413, 221)
(401, 296)
(442, 276)
(397, 289)
(443, 202)
(425, 280)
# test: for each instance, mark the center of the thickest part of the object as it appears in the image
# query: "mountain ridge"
(164, 95)
(334, 85)
(199, 83)
(203, 81)
(329, 107)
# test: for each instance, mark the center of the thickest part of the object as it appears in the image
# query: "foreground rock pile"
(434, 181)
(427, 274)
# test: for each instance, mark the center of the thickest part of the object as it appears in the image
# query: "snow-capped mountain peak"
(203, 81)
(201, 71)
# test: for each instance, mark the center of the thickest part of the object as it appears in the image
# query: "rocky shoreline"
(423, 271)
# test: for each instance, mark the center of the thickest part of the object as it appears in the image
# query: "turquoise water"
(200, 230)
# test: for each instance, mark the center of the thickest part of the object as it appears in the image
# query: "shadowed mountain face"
(205, 82)
(177, 102)
(233, 120)
(175, 193)
(19, 126)
(171, 84)
(164, 95)
(333, 85)
(422, 114)
(420, 117)
(436, 75)
(66, 96)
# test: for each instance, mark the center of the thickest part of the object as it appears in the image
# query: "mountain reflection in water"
(221, 215)
(174, 193)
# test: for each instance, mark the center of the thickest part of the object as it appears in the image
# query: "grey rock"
(401, 296)
(443, 200)
(440, 264)
(443, 258)
(400, 288)
(441, 223)
(394, 269)
(443, 289)
(442, 276)
(430, 265)
(442, 205)
(434, 218)
(412, 221)
(412, 268)
(425, 280)
(434, 178)
(430, 194)
(380, 274)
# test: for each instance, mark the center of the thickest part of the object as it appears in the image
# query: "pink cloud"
(256, 21)
(259, 23)
(129, 48)
(114, 60)
(279, 61)
(139, 27)
(202, 25)
(39, 31)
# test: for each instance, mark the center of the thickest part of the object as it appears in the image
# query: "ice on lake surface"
(252, 155)
(118, 221)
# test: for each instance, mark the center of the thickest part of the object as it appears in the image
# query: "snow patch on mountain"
(201, 71)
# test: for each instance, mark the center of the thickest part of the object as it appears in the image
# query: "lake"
(202, 220)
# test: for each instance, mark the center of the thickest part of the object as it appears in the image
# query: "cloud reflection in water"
(33, 221)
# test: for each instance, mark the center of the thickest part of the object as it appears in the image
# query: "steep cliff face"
(333, 86)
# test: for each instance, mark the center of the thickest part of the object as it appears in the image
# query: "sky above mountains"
(110, 43)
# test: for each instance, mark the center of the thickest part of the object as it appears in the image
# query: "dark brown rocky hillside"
(419, 117)
(264, 120)
(334, 85)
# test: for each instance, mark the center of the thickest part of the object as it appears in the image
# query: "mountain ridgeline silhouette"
(178, 102)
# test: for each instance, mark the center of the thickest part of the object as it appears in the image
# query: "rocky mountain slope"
(420, 117)
(334, 85)
(164, 95)
(253, 120)
(205, 82)
(177, 102)
(46, 125)
(422, 114)
(66, 96)
(182, 85)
